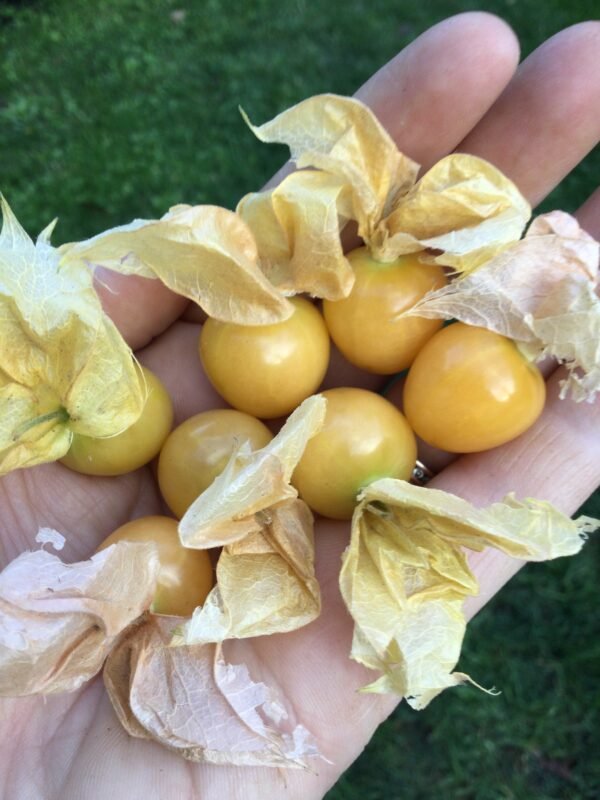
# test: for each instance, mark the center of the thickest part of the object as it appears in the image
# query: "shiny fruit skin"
(363, 325)
(470, 389)
(134, 447)
(267, 370)
(198, 450)
(364, 438)
(185, 577)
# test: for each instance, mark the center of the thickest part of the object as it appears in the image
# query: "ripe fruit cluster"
(265, 346)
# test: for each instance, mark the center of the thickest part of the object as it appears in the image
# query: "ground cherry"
(198, 450)
(185, 577)
(267, 370)
(134, 447)
(364, 325)
(364, 438)
(470, 389)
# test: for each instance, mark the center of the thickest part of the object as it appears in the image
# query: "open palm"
(454, 88)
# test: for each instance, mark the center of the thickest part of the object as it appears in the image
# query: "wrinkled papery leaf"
(58, 621)
(405, 576)
(251, 482)
(265, 581)
(192, 701)
(541, 292)
(463, 205)
(297, 231)
(342, 136)
(265, 573)
(64, 367)
(205, 253)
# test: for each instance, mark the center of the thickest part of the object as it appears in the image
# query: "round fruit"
(267, 370)
(198, 450)
(364, 325)
(185, 577)
(364, 438)
(470, 389)
(134, 447)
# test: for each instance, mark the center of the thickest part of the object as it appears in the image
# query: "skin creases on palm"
(446, 91)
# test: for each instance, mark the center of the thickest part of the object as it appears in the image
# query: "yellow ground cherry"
(470, 389)
(185, 577)
(267, 370)
(198, 450)
(134, 447)
(364, 438)
(364, 325)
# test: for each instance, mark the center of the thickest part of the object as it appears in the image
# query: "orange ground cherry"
(185, 577)
(364, 438)
(131, 449)
(267, 370)
(364, 324)
(470, 389)
(198, 450)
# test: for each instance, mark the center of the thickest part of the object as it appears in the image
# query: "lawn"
(121, 108)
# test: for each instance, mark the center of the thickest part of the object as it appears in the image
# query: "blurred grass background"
(119, 108)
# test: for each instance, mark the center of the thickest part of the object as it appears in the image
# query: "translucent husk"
(540, 292)
(59, 621)
(64, 368)
(405, 576)
(205, 253)
(462, 206)
(265, 574)
(297, 231)
(191, 700)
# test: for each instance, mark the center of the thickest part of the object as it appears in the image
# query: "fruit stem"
(60, 415)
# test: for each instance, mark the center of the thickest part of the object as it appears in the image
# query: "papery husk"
(342, 136)
(190, 700)
(297, 231)
(265, 581)
(58, 621)
(205, 253)
(405, 577)
(463, 205)
(540, 292)
(64, 368)
(265, 574)
(251, 482)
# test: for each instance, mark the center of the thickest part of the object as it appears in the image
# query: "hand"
(454, 88)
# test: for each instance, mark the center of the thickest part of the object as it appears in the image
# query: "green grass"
(111, 110)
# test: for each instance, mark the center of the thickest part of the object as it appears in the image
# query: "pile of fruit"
(351, 247)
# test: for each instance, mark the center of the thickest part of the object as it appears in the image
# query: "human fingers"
(547, 119)
(174, 358)
(141, 308)
(435, 90)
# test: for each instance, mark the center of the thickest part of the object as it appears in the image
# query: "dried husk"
(190, 700)
(205, 253)
(58, 621)
(540, 292)
(462, 206)
(265, 581)
(265, 574)
(405, 576)
(297, 230)
(342, 136)
(64, 368)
